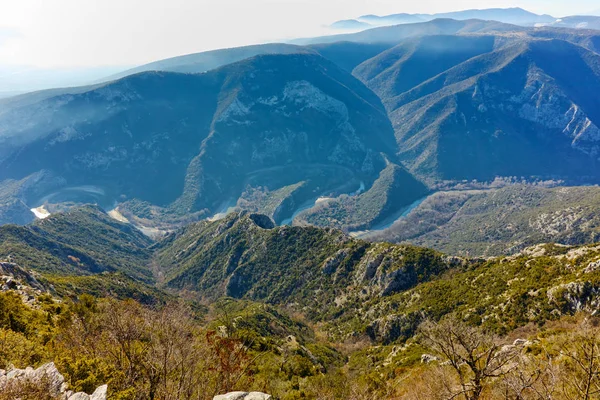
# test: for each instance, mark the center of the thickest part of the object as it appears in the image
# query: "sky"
(86, 33)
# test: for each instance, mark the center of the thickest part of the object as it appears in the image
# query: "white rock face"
(235, 111)
(66, 134)
(543, 103)
(297, 100)
(243, 396)
(306, 95)
(577, 296)
(557, 222)
(301, 95)
(48, 374)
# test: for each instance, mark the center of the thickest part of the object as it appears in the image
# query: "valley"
(420, 127)
(406, 209)
(390, 220)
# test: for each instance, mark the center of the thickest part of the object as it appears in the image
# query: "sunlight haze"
(75, 33)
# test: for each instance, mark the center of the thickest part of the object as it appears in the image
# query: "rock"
(373, 261)
(385, 271)
(53, 382)
(575, 296)
(454, 261)
(332, 263)
(592, 267)
(47, 373)
(428, 358)
(100, 393)
(12, 272)
(243, 396)
(79, 396)
(396, 281)
(521, 342)
(394, 327)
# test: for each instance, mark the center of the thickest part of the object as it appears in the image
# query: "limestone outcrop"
(243, 396)
(45, 379)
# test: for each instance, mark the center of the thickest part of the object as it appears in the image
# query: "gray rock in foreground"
(52, 380)
(243, 396)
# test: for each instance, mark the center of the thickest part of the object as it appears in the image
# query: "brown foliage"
(475, 357)
(580, 363)
(29, 389)
(148, 354)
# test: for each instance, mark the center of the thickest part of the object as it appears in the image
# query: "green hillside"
(303, 309)
(499, 221)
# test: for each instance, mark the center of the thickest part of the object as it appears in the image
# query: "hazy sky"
(67, 33)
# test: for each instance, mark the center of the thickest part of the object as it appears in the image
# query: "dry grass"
(28, 389)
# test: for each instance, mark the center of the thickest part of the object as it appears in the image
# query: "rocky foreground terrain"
(48, 381)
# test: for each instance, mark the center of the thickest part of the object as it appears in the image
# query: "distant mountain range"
(515, 16)
(351, 25)
(22, 79)
(578, 22)
(206, 61)
(344, 131)
(193, 143)
(397, 33)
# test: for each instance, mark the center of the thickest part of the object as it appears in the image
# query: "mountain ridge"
(514, 15)
(440, 100)
(252, 114)
(394, 34)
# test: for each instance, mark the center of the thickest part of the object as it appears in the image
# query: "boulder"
(592, 267)
(78, 396)
(428, 358)
(52, 380)
(243, 396)
(521, 342)
(99, 394)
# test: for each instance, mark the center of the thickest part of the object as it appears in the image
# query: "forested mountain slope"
(183, 143)
(509, 111)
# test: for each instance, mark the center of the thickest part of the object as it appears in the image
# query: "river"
(307, 205)
(391, 220)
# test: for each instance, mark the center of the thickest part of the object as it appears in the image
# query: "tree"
(581, 363)
(145, 353)
(475, 357)
(532, 378)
